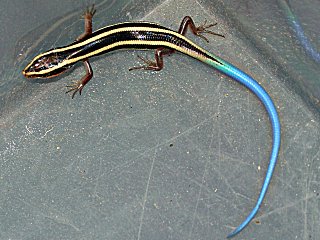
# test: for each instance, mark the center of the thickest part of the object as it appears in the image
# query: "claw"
(203, 29)
(150, 65)
(75, 87)
(90, 11)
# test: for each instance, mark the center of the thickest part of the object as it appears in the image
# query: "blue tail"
(263, 96)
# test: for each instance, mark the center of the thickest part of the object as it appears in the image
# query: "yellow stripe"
(129, 42)
(125, 29)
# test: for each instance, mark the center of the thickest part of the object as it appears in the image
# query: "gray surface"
(179, 154)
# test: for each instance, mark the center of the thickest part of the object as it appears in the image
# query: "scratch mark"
(156, 9)
(200, 189)
(315, 156)
(294, 138)
(47, 131)
(219, 128)
(97, 180)
(28, 130)
(307, 198)
(306, 188)
(236, 194)
(146, 194)
(126, 5)
(52, 214)
(31, 132)
(206, 167)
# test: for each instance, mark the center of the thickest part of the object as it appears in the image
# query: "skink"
(145, 35)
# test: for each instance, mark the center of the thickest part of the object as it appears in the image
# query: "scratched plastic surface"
(176, 154)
